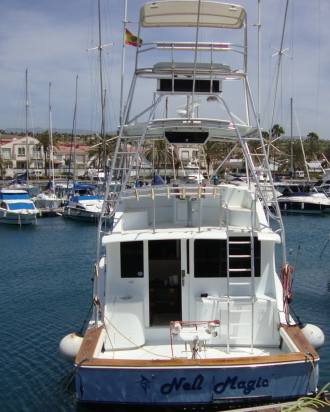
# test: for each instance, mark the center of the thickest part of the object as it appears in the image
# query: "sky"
(53, 40)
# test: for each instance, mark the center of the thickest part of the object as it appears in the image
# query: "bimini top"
(184, 13)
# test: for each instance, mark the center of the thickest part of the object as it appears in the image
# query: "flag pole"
(123, 65)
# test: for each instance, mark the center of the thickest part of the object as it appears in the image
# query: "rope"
(97, 304)
(306, 402)
(86, 320)
(65, 382)
(286, 272)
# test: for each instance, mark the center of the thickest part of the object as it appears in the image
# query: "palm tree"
(2, 166)
(96, 152)
(158, 156)
(276, 132)
(312, 145)
(212, 153)
(44, 144)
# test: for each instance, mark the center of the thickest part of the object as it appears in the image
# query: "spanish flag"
(131, 39)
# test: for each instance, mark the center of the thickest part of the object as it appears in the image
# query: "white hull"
(304, 204)
(44, 203)
(212, 381)
(17, 218)
(16, 207)
(75, 213)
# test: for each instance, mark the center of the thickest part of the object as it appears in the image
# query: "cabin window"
(210, 257)
(131, 259)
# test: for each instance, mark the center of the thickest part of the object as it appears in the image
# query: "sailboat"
(190, 309)
(47, 201)
(22, 182)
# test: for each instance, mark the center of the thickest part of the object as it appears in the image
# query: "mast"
(26, 125)
(102, 93)
(291, 157)
(73, 136)
(51, 147)
(280, 54)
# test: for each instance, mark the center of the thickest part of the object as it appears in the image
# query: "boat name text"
(231, 383)
(176, 384)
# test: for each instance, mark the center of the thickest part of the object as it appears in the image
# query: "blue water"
(46, 273)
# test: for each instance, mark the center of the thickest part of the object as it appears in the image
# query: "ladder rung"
(240, 311)
(239, 256)
(239, 242)
(240, 270)
(239, 337)
(237, 297)
(240, 324)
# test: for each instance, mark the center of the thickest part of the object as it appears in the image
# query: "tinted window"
(131, 259)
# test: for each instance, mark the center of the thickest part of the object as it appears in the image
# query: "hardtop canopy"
(184, 13)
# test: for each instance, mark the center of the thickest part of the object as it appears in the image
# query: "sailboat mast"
(26, 125)
(280, 54)
(102, 95)
(291, 160)
(51, 148)
(73, 138)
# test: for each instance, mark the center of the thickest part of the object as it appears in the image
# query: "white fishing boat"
(189, 307)
(16, 207)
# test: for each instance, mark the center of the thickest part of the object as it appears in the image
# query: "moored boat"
(188, 306)
(302, 198)
(83, 203)
(16, 207)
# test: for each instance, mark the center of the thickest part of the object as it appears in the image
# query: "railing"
(180, 192)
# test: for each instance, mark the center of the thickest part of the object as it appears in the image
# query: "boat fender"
(69, 347)
(313, 334)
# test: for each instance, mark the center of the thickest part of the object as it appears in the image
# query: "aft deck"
(179, 353)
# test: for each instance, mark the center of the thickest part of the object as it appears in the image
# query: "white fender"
(313, 334)
(69, 347)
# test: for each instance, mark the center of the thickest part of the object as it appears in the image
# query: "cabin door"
(165, 271)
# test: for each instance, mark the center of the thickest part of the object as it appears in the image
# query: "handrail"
(183, 191)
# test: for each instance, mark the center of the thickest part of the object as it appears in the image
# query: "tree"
(276, 132)
(44, 144)
(96, 152)
(312, 145)
(158, 156)
(2, 166)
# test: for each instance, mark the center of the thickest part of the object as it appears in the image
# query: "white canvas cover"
(184, 13)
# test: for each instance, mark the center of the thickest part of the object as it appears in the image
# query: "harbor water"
(46, 293)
